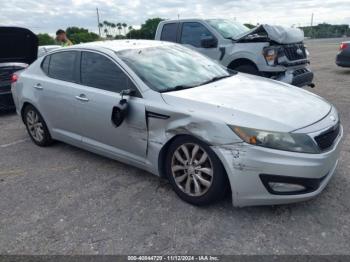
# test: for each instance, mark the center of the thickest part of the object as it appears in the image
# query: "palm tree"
(130, 28)
(119, 26)
(106, 24)
(113, 25)
(124, 25)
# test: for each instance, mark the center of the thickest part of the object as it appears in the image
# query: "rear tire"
(195, 172)
(36, 127)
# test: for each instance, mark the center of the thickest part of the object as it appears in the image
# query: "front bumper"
(245, 164)
(297, 76)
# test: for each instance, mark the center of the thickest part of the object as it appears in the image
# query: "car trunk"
(18, 49)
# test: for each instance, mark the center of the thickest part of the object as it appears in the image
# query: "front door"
(193, 33)
(101, 82)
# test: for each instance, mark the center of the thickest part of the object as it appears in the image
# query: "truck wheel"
(248, 69)
(195, 172)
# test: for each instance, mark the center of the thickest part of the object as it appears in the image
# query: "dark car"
(343, 57)
(18, 49)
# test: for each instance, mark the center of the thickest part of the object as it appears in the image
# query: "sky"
(46, 16)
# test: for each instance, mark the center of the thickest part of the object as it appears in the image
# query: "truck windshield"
(228, 28)
(172, 67)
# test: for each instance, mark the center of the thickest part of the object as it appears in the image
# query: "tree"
(147, 30)
(46, 39)
(124, 25)
(130, 28)
(113, 25)
(81, 35)
(119, 26)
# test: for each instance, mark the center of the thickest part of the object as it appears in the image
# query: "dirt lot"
(63, 200)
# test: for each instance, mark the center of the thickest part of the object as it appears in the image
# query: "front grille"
(326, 140)
(295, 51)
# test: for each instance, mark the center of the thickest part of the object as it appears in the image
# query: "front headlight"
(271, 55)
(282, 141)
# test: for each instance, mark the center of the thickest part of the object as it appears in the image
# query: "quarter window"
(45, 65)
(62, 66)
(100, 72)
(193, 33)
(169, 32)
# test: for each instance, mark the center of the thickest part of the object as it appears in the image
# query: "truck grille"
(295, 51)
(326, 140)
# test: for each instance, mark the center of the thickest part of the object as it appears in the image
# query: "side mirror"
(120, 111)
(209, 42)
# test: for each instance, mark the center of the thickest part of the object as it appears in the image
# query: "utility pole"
(312, 24)
(98, 21)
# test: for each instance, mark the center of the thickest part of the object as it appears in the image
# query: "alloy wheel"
(35, 126)
(192, 169)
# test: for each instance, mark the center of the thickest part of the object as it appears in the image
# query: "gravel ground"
(62, 200)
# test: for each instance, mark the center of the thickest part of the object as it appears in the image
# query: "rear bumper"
(343, 60)
(6, 101)
(246, 165)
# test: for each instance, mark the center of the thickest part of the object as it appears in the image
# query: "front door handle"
(38, 86)
(82, 97)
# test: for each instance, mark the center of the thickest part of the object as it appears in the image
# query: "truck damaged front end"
(285, 55)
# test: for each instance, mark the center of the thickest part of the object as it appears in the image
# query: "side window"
(169, 32)
(62, 65)
(45, 64)
(100, 72)
(193, 33)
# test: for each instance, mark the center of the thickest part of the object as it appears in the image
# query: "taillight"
(343, 46)
(14, 78)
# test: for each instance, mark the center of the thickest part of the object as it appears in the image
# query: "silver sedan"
(175, 113)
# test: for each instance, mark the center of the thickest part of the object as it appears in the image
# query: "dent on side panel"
(163, 129)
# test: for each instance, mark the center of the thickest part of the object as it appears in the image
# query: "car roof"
(120, 45)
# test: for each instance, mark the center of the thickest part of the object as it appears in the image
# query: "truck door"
(196, 36)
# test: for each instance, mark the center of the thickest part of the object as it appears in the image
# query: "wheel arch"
(164, 150)
(241, 61)
(25, 104)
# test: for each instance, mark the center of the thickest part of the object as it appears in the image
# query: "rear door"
(101, 82)
(56, 94)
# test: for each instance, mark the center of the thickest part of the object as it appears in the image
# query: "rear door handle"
(38, 86)
(82, 97)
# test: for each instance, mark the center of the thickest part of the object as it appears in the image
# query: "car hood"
(278, 34)
(251, 101)
(18, 45)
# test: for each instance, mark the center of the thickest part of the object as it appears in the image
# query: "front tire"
(248, 69)
(36, 127)
(195, 172)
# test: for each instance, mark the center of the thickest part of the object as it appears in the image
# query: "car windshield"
(228, 28)
(172, 67)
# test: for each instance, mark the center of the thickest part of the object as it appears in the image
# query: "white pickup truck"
(270, 51)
